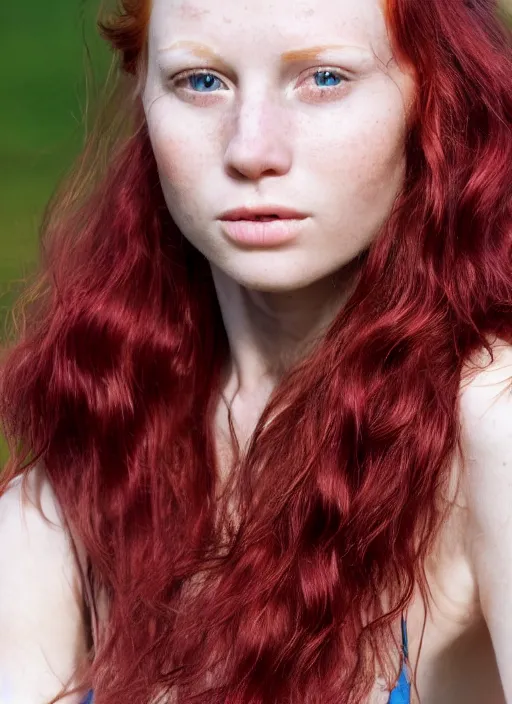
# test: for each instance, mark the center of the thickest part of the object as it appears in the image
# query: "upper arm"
(486, 420)
(42, 634)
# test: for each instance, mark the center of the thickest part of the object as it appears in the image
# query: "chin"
(279, 271)
(273, 281)
(272, 286)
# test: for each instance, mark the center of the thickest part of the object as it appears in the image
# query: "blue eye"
(204, 79)
(207, 78)
(331, 74)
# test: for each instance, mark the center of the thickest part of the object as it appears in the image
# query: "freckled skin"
(272, 134)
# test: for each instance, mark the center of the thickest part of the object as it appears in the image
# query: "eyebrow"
(294, 56)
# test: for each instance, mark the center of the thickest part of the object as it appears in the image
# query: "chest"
(449, 643)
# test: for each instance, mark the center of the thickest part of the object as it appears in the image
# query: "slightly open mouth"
(265, 217)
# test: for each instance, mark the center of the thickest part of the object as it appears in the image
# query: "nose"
(259, 146)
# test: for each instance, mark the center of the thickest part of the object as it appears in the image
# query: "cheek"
(364, 151)
(381, 151)
(181, 167)
(360, 172)
(373, 177)
(181, 149)
(375, 165)
(377, 171)
(171, 154)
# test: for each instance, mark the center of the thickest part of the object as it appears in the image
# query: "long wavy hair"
(271, 589)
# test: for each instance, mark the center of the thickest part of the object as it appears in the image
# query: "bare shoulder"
(486, 400)
(486, 427)
(482, 375)
(42, 633)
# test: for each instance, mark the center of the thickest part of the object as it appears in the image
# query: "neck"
(270, 332)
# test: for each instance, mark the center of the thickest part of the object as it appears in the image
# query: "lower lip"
(262, 233)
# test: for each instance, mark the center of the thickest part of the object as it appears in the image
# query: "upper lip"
(250, 213)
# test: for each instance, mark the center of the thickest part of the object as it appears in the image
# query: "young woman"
(259, 404)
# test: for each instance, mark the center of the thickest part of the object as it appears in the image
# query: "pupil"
(328, 74)
(207, 79)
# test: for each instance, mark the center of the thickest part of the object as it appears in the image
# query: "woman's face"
(269, 122)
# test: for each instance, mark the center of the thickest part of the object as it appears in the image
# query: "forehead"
(272, 24)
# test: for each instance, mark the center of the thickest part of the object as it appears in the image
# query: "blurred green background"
(44, 49)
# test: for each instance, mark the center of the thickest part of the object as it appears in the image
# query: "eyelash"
(204, 72)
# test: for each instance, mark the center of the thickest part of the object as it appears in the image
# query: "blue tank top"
(400, 695)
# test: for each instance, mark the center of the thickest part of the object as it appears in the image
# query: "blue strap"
(405, 640)
(402, 691)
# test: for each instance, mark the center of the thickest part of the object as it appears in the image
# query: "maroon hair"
(272, 590)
